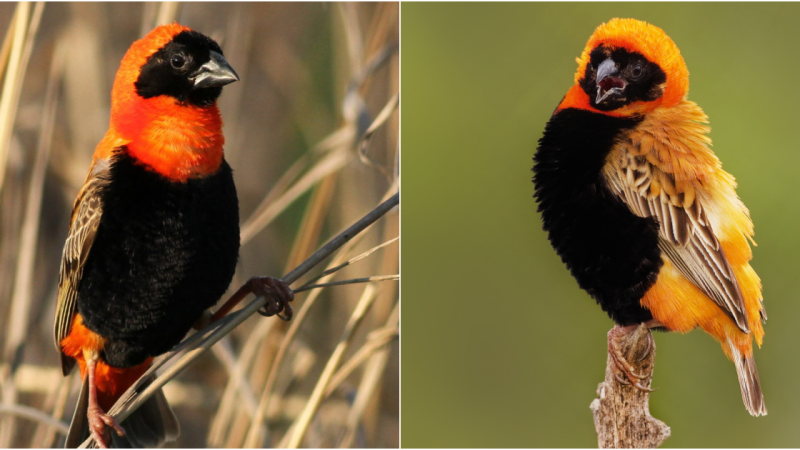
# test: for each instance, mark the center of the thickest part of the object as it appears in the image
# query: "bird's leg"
(620, 363)
(277, 293)
(98, 419)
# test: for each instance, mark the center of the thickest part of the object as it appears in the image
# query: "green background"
(500, 347)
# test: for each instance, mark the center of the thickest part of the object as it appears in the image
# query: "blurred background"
(502, 349)
(314, 78)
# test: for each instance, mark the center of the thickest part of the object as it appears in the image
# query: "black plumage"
(168, 71)
(612, 253)
(164, 252)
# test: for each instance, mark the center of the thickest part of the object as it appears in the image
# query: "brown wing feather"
(86, 213)
(685, 234)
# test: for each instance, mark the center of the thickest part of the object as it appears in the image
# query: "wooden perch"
(621, 412)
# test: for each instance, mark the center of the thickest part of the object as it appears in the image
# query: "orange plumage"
(111, 381)
(631, 87)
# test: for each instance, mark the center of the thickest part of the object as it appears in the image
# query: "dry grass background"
(314, 79)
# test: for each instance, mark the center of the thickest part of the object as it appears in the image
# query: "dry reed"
(319, 85)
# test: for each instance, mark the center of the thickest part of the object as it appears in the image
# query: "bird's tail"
(152, 425)
(749, 383)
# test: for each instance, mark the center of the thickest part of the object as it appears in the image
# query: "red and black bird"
(154, 235)
(638, 207)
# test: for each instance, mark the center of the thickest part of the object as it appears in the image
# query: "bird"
(639, 208)
(153, 240)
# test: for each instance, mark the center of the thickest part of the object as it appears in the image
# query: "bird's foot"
(98, 421)
(622, 368)
(277, 293)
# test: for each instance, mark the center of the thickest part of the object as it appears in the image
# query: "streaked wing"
(685, 234)
(86, 213)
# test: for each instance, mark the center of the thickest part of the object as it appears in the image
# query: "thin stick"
(376, 341)
(34, 414)
(383, 116)
(342, 238)
(348, 262)
(350, 281)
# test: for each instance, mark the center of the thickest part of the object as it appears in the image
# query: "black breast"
(612, 253)
(164, 252)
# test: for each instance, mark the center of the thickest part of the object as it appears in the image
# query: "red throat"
(178, 140)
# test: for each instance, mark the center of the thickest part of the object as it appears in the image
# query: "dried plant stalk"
(298, 430)
(369, 383)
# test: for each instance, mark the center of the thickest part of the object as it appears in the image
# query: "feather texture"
(658, 171)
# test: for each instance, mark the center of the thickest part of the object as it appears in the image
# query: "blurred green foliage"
(500, 346)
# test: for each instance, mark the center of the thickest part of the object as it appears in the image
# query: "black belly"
(164, 252)
(612, 253)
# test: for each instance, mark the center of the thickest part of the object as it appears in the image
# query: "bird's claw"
(648, 349)
(620, 379)
(621, 364)
(278, 295)
(98, 421)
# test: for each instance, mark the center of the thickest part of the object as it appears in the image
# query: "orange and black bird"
(638, 207)
(154, 234)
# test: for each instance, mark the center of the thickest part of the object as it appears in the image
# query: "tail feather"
(79, 427)
(749, 383)
(152, 425)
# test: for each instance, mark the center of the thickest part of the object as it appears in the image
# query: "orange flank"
(680, 306)
(111, 382)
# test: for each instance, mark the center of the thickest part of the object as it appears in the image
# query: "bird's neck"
(178, 141)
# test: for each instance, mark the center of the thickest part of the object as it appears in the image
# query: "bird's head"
(174, 61)
(172, 71)
(163, 104)
(630, 67)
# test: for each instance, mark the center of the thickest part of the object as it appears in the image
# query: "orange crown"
(123, 95)
(649, 40)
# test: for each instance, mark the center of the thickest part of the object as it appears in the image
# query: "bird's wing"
(664, 169)
(86, 213)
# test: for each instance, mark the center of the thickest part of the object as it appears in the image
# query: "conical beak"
(608, 85)
(215, 73)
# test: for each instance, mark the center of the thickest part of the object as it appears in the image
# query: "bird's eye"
(177, 61)
(636, 72)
